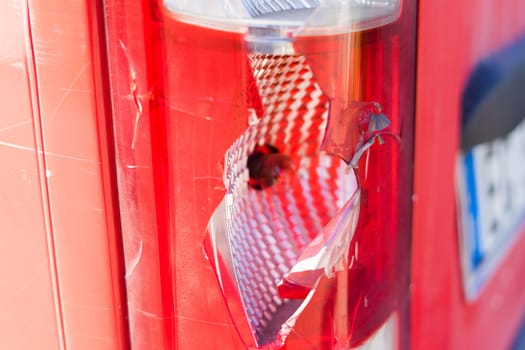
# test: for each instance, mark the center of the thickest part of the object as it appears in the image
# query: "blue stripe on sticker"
(473, 210)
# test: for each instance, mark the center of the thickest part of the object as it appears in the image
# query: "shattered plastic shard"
(327, 253)
(353, 129)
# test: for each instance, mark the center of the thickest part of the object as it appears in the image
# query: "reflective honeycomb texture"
(269, 228)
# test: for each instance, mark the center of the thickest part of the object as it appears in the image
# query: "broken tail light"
(281, 135)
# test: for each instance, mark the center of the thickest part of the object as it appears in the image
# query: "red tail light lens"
(291, 160)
